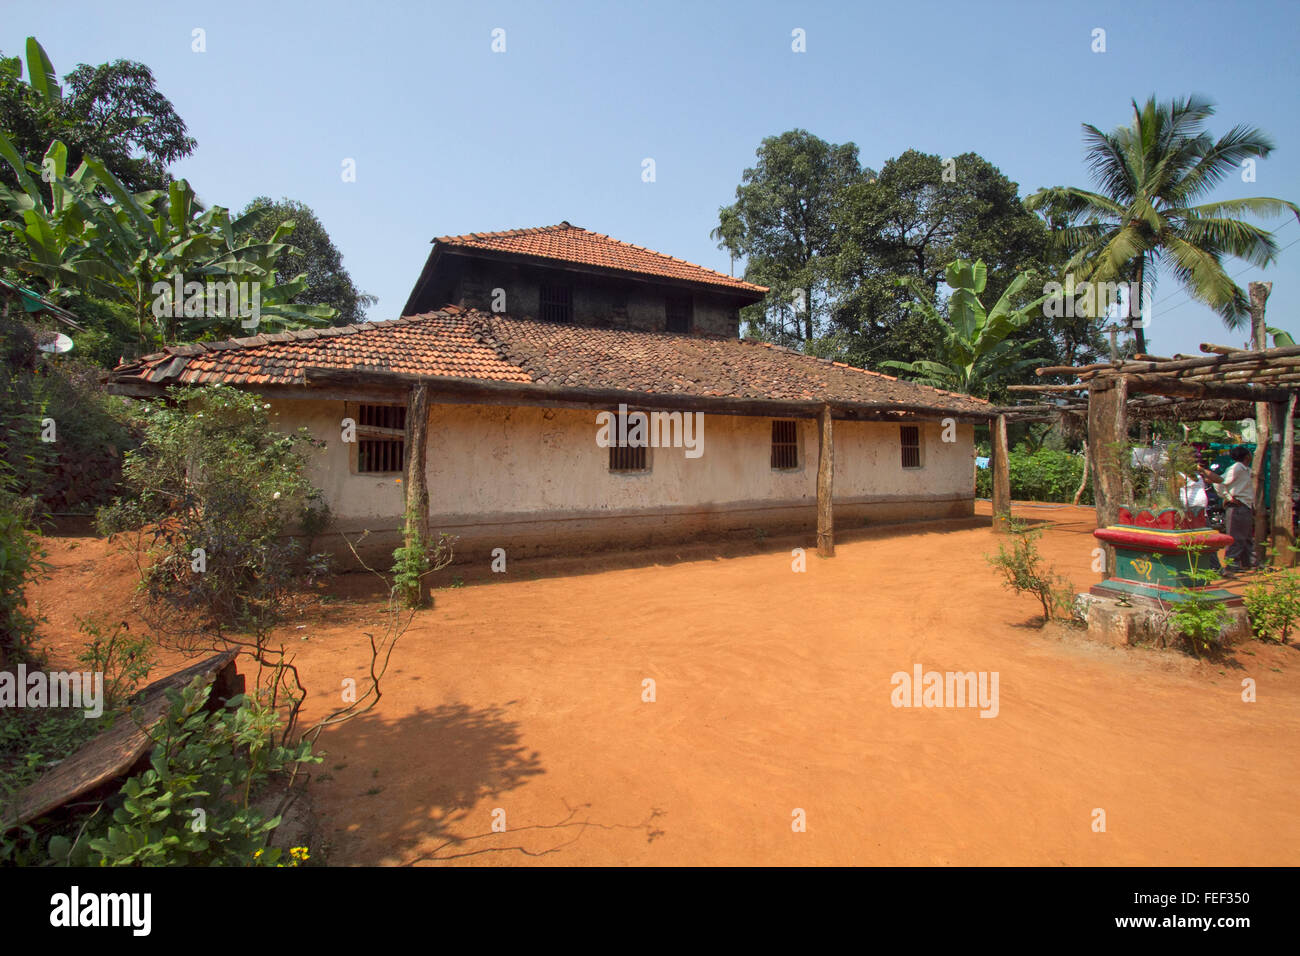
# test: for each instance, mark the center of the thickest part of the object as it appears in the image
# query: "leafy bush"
(20, 563)
(1023, 571)
(218, 492)
(416, 559)
(1198, 618)
(194, 805)
(123, 658)
(1273, 603)
(79, 469)
(1043, 475)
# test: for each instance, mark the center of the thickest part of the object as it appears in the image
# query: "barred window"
(679, 312)
(626, 458)
(910, 440)
(785, 444)
(381, 439)
(556, 303)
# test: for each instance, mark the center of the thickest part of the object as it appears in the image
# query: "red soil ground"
(522, 693)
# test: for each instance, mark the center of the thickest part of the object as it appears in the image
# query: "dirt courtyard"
(518, 701)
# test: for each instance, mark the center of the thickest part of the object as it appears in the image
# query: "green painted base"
(1148, 594)
(1164, 568)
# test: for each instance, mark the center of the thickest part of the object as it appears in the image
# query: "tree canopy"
(113, 111)
(314, 255)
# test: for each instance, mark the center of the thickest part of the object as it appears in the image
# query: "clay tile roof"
(569, 243)
(470, 346)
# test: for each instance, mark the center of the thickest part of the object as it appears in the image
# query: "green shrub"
(194, 806)
(416, 559)
(20, 563)
(218, 492)
(1273, 603)
(1198, 618)
(1044, 475)
(122, 657)
(1024, 571)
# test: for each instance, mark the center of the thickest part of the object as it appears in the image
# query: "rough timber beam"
(825, 483)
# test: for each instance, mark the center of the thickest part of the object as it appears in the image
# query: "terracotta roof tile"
(568, 243)
(467, 345)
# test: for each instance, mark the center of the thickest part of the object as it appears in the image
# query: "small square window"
(556, 303)
(626, 458)
(910, 440)
(381, 439)
(785, 444)
(679, 313)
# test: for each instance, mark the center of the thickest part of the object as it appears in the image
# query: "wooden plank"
(825, 483)
(1283, 449)
(1001, 477)
(416, 484)
(1109, 447)
(117, 751)
(1263, 426)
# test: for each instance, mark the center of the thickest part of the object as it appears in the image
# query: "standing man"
(1239, 502)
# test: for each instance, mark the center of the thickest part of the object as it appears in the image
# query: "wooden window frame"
(555, 303)
(687, 302)
(374, 437)
(623, 458)
(785, 451)
(917, 448)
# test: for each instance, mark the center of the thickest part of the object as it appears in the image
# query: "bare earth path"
(519, 698)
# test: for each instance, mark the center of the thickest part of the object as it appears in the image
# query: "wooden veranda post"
(1001, 476)
(1108, 442)
(825, 483)
(1263, 427)
(416, 483)
(1283, 458)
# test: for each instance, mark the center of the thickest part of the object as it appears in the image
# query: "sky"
(449, 137)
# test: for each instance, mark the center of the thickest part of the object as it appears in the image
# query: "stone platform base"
(1112, 623)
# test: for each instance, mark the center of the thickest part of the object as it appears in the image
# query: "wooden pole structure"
(825, 483)
(1263, 431)
(1083, 482)
(1108, 444)
(1001, 477)
(1283, 447)
(416, 526)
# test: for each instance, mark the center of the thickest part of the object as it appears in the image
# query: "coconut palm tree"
(1149, 176)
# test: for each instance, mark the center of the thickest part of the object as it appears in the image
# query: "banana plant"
(975, 350)
(162, 254)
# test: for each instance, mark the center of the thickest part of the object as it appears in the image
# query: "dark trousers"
(1241, 526)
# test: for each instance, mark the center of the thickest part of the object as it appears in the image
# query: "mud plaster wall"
(536, 476)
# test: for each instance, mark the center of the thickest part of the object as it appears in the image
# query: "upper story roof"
(567, 245)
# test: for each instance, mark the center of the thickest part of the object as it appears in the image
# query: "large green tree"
(314, 255)
(897, 232)
(113, 111)
(1148, 210)
(783, 224)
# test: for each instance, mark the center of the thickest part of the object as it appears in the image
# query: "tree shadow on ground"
(390, 789)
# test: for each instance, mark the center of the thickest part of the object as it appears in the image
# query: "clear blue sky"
(449, 137)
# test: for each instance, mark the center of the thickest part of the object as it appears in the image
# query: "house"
(555, 390)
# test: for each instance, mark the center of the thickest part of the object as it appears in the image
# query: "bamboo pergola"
(1223, 382)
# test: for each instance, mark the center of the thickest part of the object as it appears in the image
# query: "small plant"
(1273, 603)
(415, 560)
(123, 658)
(193, 806)
(20, 564)
(1024, 571)
(1197, 617)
